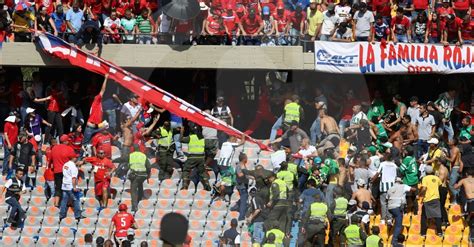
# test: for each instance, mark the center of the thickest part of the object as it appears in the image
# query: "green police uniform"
(139, 170)
(352, 233)
(372, 241)
(279, 235)
(165, 162)
(316, 224)
(195, 160)
(338, 222)
(292, 113)
(278, 215)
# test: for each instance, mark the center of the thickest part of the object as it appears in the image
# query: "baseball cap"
(64, 138)
(266, 10)
(10, 119)
(331, 6)
(446, 1)
(203, 6)
(433, 141)
(317, 160)
(372, 149)
(360, 182)
(29, 110)
(123, 207)
(294, 122)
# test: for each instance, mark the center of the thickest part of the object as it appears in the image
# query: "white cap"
(150, 110)
(29, 110)
(37, 138)
(360, 182)
(10, 119)
(433, 141)
(353, 148)
(203, 6)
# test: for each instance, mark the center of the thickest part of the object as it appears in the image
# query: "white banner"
(400, 58)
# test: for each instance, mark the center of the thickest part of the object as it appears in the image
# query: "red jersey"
(434, 28)
(53, 104)
(421, 4)
(11, 129)
(95, 116)
(251, 26)
(48, 173)
(103, 142)
(401, 25)
(95, 5)
(296, 20)
(181, 27)
(466, 31)
(443, 12)
(103, 167)
(60, 154)
(382, 7)
(453, 27)
(231, 22)
(282, 20)
(461, 4)
(122, 221)
(76, 141)
(214, 26)
(16, 89)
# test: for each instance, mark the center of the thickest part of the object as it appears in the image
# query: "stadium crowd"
(372, 162)
(238, 22)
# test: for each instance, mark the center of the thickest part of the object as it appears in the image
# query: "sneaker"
(81, 217)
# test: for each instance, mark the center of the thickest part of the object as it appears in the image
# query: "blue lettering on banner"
(325, 58)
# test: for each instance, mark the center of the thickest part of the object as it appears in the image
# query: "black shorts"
(58, 182)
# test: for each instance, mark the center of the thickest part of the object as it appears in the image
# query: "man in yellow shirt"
(434, 154)
(315, 20)
(22, 20)
(431, 204)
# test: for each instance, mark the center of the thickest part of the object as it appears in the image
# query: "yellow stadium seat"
(452, 240)
(414, 229)
(414, 240)
(406, 220)
(433, 240)
(416, 219)
(454, 230)
(465, 242)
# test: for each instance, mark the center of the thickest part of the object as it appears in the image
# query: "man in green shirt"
(465, 130)
(409, 170)
(377, 108)
(145, 27)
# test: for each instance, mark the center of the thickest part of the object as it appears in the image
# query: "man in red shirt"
(461, 7)
(231, 25)
(121, 222)
(214, 27)
(54, 113)
(103, 141)
(382, 7)
(251, 25)
(401, 27)
(282, 23)
(95, 123)
(103, 167)
(467, 34)
(76, 138)
(10, 137)
(60, 154)
(297, 24)
(452, 31)
(444, 10)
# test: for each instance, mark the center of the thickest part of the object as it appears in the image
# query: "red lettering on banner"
(412, 53)
(419, 69)
(361, 58)
(447, 57)
(468, 55)
(392, 55)
(425, 53)
(370, 56)
(383, 55)
(433, 55)
(457, 57)
(403, 53)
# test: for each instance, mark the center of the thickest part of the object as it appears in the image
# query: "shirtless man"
(329, 130)
(362, 194)
(443, 189)
(407, 135)
(468, 185)
(456, 165)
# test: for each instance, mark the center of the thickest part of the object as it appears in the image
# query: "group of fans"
(253, 22)
(373, 162)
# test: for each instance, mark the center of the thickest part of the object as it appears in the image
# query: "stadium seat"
(452, 240)
(107, 213)
(213, 225)
(146, 204)
(143, 223)
(195, 225)
(166, 194)
(454, 230)
(8, 241)
(406, 220)
(91, 203)
(219, 205)
(414, 240)
(101, 231)
(143, 214)
(90, 212)
(49, 221)
(203, 195)
(48, 232)
(52, 211)
(103, 222)
(26, 242)
(65, 232)
(38, 191)
(43, 241)
(34, 211)
(416, 219)
(87, 223)
(414, 229)
(68, 222)
(63, 241)
(433, 240)
(38, 201)
(216, 215)
(197, 215)
(30, 231)
(168, 183)
(182, 204)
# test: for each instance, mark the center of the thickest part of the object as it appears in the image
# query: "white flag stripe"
(146, 88)
(166, 99)
(127, 78)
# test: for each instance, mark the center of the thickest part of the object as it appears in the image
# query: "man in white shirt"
(227, 152)
(426, 127)
(396, 200)
(387, 173)
(14, 187)
(222, 112)
(329, 23)
(414, 109)
(69, 188)
(343, 11)
(357, 115)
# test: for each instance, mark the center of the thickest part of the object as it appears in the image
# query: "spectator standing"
(60, 154)
(452, 30)
(43, 22)
(54, 116)
(420, 28)
(23, 157)
(298, 24)
(400, 111)
(414, 109)
(343, 11)
(382, 8)
(329, 23)
(461, 8)
(113, 28)
(396, 196)
(69, 190)
(380, 31)
(257, 215)
(282, 23)
(130, 109)
(426, 128)
(222, 112)
(354, 233)
(74, 20)
(128, 23)
(22, 19)
(59, 19)
(315, 21)
(387, 173)
(10, 137)
(431, 201)
(103, 168)
(139, 172)
(214, 27)
(251, 25)
(409, 170)
(89, 33)
(320, 102)
(401, 28)
(434, 29)
(103, 141)
(268, 38)
(231, 237)
(295, 136)
(343, 33)
(14, 187)
(231, 25)
(144, 27)
(420, 6)
(94, 123)
(121, 222)
(364, 21)
(314, 222)
(445, 104)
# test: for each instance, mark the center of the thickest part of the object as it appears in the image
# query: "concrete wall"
(162, 56)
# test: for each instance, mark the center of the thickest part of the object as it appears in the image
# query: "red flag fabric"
(59, 48)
